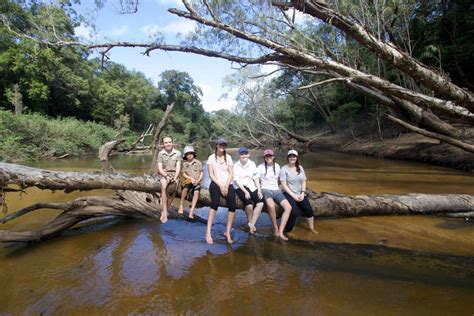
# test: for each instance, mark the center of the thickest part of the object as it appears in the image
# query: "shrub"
(33, 136)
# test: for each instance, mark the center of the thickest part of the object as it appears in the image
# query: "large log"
(136, 196)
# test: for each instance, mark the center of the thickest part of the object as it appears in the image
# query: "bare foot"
(282, 236)
(209, 239)
(276, 233)
(252, 228)
(314, 231)
(164, 217)
(229, 238)
(180, 210)
(191, 215)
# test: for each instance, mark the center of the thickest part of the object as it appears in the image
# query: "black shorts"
(253, 196)
(192, 187)
(215, 193)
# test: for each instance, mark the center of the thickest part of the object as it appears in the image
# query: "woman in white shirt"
(269, 171)
(247, 187)
(221, 173)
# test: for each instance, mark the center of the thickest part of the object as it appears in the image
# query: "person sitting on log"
(269, 172)
(293, 182)
(191, 178)
(247, 187)
(169, 166)
(220, 167)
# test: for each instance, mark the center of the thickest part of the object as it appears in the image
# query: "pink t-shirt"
(220, 169)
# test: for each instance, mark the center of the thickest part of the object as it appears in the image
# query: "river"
(392, 265)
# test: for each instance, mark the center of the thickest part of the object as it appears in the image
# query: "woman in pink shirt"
(220, 168)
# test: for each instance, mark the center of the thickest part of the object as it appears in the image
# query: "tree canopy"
(406, 61)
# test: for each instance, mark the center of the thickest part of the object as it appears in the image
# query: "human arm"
(198, 180)
(230, 175)
(287, 189)
(256, 180)
(178, 169)
(303, 184)
(212, 174)
(188, 177)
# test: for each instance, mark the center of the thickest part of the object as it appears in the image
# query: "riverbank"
(397, 145)
(34, 137)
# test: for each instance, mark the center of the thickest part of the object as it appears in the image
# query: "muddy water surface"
(370, 265)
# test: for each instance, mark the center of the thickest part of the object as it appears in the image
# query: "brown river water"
(392, 265)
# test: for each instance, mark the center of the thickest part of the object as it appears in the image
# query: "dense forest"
(42, 73)
(64, 82)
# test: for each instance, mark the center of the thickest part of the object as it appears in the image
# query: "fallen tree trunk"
(135, 197)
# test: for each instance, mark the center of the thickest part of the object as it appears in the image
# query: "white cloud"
(119, 30)
(178, 3)
(150, 29)
(183, 27)
(300, 17)
(212, 101)
(270, 70)
(85, 32)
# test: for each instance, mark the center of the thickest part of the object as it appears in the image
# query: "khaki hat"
(187, 150)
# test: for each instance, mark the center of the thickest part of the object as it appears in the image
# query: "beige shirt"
(192, 169)
(169, 161)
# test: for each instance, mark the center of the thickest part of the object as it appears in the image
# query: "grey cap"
(221, 141)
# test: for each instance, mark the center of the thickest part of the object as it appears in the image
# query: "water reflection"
(358, 266)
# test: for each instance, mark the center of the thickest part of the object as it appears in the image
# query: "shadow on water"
(453, 225)
(183, 242)
(137, 266)
(369, 260)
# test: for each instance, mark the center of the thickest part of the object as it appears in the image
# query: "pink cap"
(268, 152)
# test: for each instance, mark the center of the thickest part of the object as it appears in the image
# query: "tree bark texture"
(136, 196)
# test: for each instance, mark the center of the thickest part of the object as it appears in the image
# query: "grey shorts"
(276, 195)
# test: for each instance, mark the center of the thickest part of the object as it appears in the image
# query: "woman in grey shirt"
(293, 182)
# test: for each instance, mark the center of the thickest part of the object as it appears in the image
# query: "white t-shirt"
(269, 181)
(245, 174)
(220, 169)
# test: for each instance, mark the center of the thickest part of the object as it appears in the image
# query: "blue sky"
(152, 16)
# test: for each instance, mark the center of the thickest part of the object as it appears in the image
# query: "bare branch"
(324, 82)
(443, 138)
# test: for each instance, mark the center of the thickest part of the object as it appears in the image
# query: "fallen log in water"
(136, 196)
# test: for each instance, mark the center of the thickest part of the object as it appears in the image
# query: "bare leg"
(174, 188)
(310, 221)
(230, 220)
(272, 213)
(284, 218)
(193, 203)
(249, 213)
(256, 214)
(210, 220)
(164, 200)
(183, 196)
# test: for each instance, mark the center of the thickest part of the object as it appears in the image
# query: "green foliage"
(33, 136)
(62, 82)
(442, 33)
(346, 113)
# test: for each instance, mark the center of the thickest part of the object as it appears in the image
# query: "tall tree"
(418, 97)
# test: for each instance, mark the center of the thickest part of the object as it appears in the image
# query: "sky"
(152, 17)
